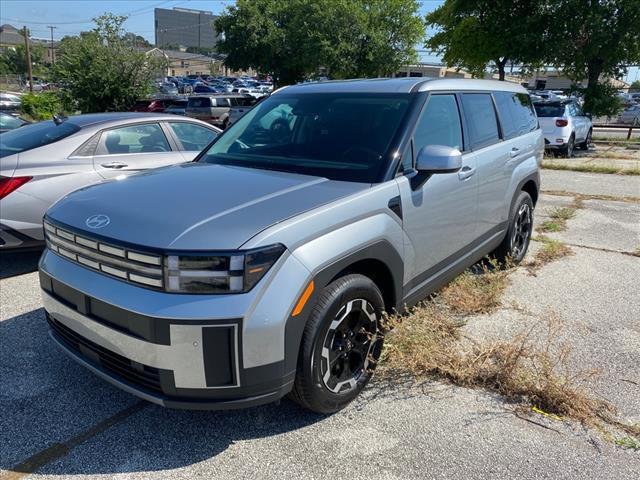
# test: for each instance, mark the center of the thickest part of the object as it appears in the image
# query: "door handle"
(514, 152)
(466, 172)
(115, 165)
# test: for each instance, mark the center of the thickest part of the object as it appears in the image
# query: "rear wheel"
(340, 346)
(568, 150)
(587, 141)
(516, 242)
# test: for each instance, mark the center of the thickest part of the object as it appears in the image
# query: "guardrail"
(621, 126)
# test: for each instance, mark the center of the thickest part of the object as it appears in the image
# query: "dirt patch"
(581, 197)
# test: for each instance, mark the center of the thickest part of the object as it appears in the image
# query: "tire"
(567, 151)
(587, 141)
(516, 242)
(331, 329)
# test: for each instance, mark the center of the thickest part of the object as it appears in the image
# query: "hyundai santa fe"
(263, 268)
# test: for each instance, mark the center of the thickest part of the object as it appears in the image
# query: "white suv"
(564, 126)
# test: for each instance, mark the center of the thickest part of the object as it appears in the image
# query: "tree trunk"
(501, 64)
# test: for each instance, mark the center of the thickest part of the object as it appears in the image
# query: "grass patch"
(591, 168)
(621, 141)
(475, 293)
(581, 197)
(614, 155)
(550, 251)
(558, 218)
(531, 368)
(628, 442)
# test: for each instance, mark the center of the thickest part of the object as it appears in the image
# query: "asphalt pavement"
(59, 420)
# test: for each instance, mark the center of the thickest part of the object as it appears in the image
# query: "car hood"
(196, 206)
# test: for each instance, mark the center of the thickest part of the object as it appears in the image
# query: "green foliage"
(635, 86)
(595, 40)
(41, 106)
(348, 38)
(101, 71)
(14, 61)
(600, 99)
(474, 33)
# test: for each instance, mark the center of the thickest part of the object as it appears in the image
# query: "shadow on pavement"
(47, 399)
(18, 263)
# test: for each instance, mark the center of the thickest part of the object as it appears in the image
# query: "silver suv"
(263, 268)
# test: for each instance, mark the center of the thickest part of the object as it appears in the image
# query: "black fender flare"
(381, 251)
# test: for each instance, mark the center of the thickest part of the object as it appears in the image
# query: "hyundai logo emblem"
(97, 221)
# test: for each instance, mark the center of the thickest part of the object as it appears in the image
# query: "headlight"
(234, 272)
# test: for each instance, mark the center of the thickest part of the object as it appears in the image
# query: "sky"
(72, 16)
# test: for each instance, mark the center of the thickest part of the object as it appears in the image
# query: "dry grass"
(475, 293)
(610, 169)
(531, 368)
(581, 197)
(550, 251)
(636, 252)
(558, 218)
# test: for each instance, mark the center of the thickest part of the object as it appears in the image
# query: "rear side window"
(222, 102)
(193, 137)
(481, 119)
(439, 124)
(199, 102)
(516, 114)
(135, 139)
(34, 136)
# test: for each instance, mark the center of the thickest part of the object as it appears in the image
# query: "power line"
(133, 13)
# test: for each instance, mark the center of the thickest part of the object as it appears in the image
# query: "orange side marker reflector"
(303, 299)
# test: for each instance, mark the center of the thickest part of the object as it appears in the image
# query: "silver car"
(43, 162)
(264, 267)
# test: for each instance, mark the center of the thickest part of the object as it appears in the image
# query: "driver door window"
(439, 124)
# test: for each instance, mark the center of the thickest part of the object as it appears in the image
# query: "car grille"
(133, 266)
(138, 374)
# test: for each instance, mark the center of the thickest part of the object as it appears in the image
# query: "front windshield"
(34, 136)
(340, 136)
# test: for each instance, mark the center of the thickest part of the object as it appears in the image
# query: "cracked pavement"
(59, 420)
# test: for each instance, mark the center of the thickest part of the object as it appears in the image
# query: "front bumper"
(180, 351)
(11, 239)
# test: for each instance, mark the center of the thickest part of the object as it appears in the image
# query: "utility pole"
(27, 55)
(53, 56)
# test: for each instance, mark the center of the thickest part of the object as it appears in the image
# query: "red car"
(155, 106)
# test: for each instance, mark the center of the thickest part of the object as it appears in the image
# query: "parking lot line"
(59, 450)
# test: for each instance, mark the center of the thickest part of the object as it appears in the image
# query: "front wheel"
(340, 345)
(516, 242)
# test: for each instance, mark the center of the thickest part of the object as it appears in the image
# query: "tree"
(472, 34)
(292, 40)
(13, 60)
(595, 40)
(101, 71)
(635, 86)
(136, 41)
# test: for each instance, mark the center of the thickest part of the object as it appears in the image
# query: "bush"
(41, 106)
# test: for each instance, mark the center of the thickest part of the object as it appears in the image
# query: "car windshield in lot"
(549, 109)
(340, 136)
(34, 136)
